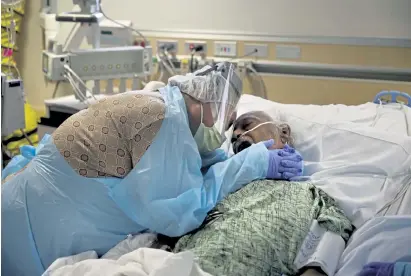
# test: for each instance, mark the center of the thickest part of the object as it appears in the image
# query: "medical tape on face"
(257, 126)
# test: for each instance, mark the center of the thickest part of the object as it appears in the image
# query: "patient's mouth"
(240, 146)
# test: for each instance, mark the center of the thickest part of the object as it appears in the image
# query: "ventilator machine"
(111, 57)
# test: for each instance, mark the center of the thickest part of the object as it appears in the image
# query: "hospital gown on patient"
(259, 229)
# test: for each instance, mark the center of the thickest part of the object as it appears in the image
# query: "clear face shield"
(222, 95)
(218, 89)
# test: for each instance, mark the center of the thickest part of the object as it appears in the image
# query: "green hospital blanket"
(259, 229)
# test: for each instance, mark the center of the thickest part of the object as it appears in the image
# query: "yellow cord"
(11, 20)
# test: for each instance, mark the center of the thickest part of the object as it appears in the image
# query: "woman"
(129, 163)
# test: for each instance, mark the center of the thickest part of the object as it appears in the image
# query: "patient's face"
(243, 138)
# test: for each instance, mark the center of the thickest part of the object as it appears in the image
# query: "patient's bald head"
(245, 132)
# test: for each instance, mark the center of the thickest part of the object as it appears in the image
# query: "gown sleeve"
(186, 212)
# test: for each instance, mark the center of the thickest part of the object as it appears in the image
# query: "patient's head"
(258, 126)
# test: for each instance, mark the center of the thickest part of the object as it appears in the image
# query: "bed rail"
(385, 97)
(316, 69)
(333, 71)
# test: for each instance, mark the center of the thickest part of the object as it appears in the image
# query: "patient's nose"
(235, 137)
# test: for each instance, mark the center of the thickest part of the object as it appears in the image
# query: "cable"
(69, 35)
(169, 61)
(170, 71)
(246, 55)
(12, 4)
(5, 150)
(407, 123)
(251, 68)
(56, 87)
(77, 90)
(160, 78)
(11, 33)
(79, 80)
(171, 68)
(194, 50)
(402, 108)
(191, 62)
(125, 26)
(25, 136)
(377, 114)
(402, 191)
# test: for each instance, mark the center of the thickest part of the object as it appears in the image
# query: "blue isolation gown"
(402, 269)
(49, 211)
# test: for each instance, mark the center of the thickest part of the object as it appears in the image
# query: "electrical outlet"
(189, 45)
(256, 50)
(225, 49)
(170, 45)
(287, 52)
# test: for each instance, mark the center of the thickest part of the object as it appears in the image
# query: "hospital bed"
(366, 146)
(361, 156)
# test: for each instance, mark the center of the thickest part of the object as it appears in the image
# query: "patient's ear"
(286, 134)
(285, 129)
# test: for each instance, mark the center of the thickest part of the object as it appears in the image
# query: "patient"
(259, 229)
(256, 126)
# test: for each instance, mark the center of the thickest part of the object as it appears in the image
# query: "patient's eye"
(246, 125)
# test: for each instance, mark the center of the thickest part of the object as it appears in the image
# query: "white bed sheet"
(360, 155)
(131, 257)
(140, 262)
(382, 239)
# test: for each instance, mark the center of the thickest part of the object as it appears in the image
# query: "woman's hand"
(378, 268)
(283, 163)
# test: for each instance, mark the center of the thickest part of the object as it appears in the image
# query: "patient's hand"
(378, 268)
(283, 164)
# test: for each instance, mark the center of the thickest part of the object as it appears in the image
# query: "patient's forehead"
(255, 117)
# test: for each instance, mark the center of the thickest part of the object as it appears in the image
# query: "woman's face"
(209, 116)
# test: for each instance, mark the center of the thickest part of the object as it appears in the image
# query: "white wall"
(336, 18)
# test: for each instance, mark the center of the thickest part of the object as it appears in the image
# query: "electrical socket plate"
(161, 43)
(192, 43)
(225, 49)
(262, 50)
(287, 52)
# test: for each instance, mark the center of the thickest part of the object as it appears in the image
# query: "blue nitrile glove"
(284, 163)
(28, 151)
(378, 269)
